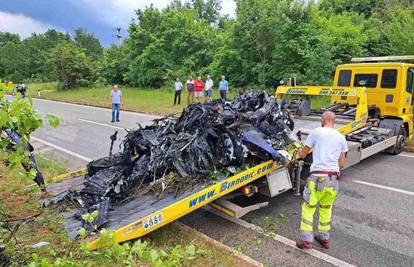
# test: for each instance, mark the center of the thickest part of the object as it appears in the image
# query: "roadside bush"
(72, 65)
(127, 254)
(101, 82)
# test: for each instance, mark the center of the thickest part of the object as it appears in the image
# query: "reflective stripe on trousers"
(320, 190)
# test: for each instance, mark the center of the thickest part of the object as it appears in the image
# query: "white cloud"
(24, 26)
(121, 12)
(228, 8)
(117, 12)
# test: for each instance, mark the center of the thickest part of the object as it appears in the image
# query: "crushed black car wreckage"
(172, 155)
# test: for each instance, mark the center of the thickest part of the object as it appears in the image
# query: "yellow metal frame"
(401, 105)
(182, 207)
(356, 95)
(69, 175)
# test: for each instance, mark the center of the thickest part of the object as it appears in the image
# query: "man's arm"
(110, 99)
(342, 161)
(309, 144)
(344, 149)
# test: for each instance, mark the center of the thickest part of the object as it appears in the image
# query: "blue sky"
(98, 16)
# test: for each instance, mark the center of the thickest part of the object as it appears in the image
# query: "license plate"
(152, 221)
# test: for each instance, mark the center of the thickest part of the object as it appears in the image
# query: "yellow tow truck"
(374, 107)
(389, 89)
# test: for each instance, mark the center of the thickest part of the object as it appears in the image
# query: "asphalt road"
(373, 221)
(371, 226)
(85, 131)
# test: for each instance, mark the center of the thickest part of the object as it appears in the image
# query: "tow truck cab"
(389, 87)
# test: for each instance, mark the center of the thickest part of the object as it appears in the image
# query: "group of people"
(197, 88)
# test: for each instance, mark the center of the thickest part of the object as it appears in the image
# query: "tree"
(365, 7)
(112, 65)
(399, 31)
(37, 50)
(88, 42)
(227, 59)
(168, 43)
(29, 59)
(208, 10)
(6, 37)
(11, 62)
(72, 65)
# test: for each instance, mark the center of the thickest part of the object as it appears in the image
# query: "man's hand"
(304, 152)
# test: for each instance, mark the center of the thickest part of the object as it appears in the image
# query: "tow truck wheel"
(398, 147)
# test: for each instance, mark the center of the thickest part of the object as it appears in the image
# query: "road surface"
(373, 222)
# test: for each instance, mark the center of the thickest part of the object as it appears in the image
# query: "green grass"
(14, 179)
(153, 101)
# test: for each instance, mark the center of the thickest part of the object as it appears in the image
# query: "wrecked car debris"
(172, 155)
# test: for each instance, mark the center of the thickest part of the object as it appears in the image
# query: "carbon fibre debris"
(174, 155)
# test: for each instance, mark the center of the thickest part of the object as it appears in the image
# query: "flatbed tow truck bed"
(142, 215)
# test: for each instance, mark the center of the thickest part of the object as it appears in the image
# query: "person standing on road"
(198, 87)
(329, 148)
(178, 86)
(190, 90)
(223, 88)
(209, 88)
(116, 99)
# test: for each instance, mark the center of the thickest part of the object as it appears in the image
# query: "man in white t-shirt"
(329, 148)
(209, 88)
(178, 86)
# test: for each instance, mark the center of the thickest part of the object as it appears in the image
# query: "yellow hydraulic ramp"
(183, 206)
(337, 95)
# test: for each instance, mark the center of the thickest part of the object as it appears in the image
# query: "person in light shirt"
(223, 88)
(329, 147)
(116, 100)
(209, 88)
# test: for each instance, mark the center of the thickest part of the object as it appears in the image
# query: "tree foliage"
(112, 65)
(29, 59)
(72, 65)
(163, 44)
(399, 31)
(89, 42)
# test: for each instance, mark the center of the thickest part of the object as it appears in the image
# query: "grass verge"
(23, 222)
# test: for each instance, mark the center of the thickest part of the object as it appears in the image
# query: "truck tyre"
(398, 147)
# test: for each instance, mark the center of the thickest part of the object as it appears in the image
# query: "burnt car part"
(173, 155)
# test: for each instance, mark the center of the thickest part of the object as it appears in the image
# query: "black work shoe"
(117, 120)
(112, 121)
